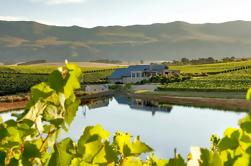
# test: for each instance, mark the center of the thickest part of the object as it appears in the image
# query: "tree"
(185, 60)
(211, 60)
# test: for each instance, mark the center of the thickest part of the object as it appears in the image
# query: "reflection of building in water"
(143, 105)
(96, 103)
(137, 104)
(96, 88)
(149, 105)
(122, 99)
(84, 109)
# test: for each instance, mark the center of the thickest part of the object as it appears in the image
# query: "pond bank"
(9, 106)
(109, 93)
(220, 103)
(16, 102)
(203, 94)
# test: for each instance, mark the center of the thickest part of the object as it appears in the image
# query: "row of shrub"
(165, 79)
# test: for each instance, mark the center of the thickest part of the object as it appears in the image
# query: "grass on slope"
(233, 81)
(216, 67)
(97, 77)
(21, 78)
(46, 69)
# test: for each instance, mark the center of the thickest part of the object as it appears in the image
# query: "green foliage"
(21, 78)
(214, 142)
(12, 83)
(168, 79)
(155, 161)
(204, 157)
(52, 106)
(249, 94)
(32, 138)
(62, 155)
(46, 69)
(211, 68)
(233, 76)
(127, 148)
(233, 81)
(121, 87)
(97, 77)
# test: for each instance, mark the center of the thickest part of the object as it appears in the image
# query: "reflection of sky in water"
(182, 128)
(7, 115)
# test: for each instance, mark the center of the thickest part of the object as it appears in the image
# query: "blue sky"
(90, 13)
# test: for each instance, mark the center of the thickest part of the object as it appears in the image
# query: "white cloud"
(58, 2)
(13, 18)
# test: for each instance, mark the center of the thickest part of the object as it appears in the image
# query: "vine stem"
(44, 140)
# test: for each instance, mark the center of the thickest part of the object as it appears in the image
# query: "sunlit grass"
(205, 68)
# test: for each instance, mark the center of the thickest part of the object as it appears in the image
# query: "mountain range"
(26, 40)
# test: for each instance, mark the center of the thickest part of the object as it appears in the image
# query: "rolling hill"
(25, 41)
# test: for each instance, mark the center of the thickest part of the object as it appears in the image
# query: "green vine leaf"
(153, 160)
(230, 140)
(2, 157)
(39, 91)
(62, 155)
(30, 151)
(139, 147)
(204, 157)
(3, 132)
(94, 152)
(131, 161)
(75, 162)
(244, 160)
(35, 115)
(71, 108)
(123, 143)
(56, 81)
(248, 95)
(178, 160)
(128, 148)
(245, 124)
(92, 134)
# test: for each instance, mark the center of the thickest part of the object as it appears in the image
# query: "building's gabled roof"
(138, 67)
(126, 72)
(156, 67)
(122, 99)
(117, 74)
(98, 104)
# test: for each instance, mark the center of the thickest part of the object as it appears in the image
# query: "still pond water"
(163, 128)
